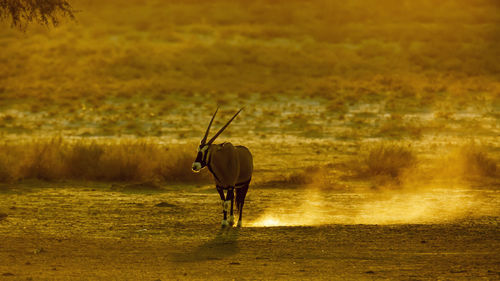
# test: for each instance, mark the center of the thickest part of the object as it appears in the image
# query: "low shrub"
(388, 160)
(473, 161)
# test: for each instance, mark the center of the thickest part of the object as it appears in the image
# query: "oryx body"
(232, 168)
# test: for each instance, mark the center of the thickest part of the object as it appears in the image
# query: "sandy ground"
(112, 234)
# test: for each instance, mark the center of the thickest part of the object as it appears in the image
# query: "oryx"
(231, 166)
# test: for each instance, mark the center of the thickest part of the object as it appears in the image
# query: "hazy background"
(338, 95)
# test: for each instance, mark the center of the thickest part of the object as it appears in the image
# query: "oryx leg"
(225, 206)
(230, 197)
(240, 201)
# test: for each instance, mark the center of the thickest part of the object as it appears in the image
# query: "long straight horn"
(223, 128)
(209, 125)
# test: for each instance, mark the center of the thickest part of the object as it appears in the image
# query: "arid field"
(374, 128)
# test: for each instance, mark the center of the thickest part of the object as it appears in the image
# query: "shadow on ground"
(223, 245)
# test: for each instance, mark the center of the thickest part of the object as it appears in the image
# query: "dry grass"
(397, 127)
(470, 162)
(388, 161)
(299, 178)
(396, 165)
(320, 177)
(478, 161)
(303, 177)
(316, 48)
(156, 68)
(132, 68)
(137, 160)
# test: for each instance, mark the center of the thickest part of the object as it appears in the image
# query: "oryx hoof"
(239, 223)
(231, 220)
(224, 223)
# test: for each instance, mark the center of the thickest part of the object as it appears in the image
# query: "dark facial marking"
(199, 157)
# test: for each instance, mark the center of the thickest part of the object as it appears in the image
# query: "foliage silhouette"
(46, 12)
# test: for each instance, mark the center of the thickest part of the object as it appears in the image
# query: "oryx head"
(201, 158)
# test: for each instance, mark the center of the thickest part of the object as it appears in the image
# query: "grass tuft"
(471, 162)
(303, 177)
(388, 160)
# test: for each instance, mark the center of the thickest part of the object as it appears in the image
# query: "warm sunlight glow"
(268, 221)
(366, 143)
(388, 207)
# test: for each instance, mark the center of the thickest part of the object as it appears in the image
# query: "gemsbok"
(232, 168)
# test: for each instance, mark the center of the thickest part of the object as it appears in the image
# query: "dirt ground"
(107, 232)
(374, 129)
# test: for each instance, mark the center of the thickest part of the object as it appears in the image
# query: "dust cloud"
(429, 205)
(448, 188)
